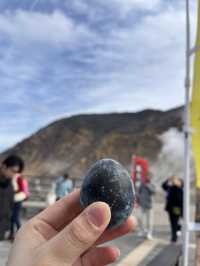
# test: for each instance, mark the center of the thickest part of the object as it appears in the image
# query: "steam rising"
(171, 158)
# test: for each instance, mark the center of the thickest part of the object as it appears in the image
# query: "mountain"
(73, 144)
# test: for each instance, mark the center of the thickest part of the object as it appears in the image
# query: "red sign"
(140, 169)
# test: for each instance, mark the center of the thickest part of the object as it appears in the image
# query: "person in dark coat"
(174, 203)
(9, 168)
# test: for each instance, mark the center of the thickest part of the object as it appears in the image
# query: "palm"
(42, 230)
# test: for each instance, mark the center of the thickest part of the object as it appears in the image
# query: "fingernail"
(97, 214)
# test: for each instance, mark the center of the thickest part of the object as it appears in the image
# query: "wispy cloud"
(41, 28)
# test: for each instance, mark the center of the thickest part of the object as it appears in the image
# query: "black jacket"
(6, 203)
(174, 198)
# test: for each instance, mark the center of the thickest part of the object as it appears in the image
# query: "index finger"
(62, 212)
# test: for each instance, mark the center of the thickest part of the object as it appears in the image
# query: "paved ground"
(135, 250)
(4, 248)
(138, 252)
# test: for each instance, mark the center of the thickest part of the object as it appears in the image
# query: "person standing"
(8, 169)
(145, 193)
(173, 187)
(21, 193)
(64, 186)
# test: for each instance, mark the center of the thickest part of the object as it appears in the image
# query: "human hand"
(177, 182)
(64, 235)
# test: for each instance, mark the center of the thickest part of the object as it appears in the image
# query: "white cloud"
(35, 27)
(94, 9)
(143, 64)
(130, 60)
(130, 5)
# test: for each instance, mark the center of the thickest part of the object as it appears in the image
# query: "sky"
(61, 57)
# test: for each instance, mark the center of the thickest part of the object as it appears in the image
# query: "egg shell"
(108, 181)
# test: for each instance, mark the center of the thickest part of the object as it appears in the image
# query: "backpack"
(23, 186)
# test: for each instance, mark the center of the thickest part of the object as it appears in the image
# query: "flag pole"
(195, 115)
(186, 232)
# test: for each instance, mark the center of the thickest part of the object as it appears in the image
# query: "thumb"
(80, 234)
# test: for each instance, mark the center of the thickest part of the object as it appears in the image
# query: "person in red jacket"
(20, 194)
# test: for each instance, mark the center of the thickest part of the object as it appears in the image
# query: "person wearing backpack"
(21, 193)
(145, 193)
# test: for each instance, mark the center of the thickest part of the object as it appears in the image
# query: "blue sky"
(63, 57)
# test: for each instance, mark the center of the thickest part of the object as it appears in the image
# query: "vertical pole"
(186, 234)
(197, 233)
(197, 218)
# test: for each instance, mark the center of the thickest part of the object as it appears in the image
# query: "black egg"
(108, 181)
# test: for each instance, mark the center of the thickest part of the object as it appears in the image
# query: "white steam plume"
(171, 158)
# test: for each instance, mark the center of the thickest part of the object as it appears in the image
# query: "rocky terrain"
(72, 144)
